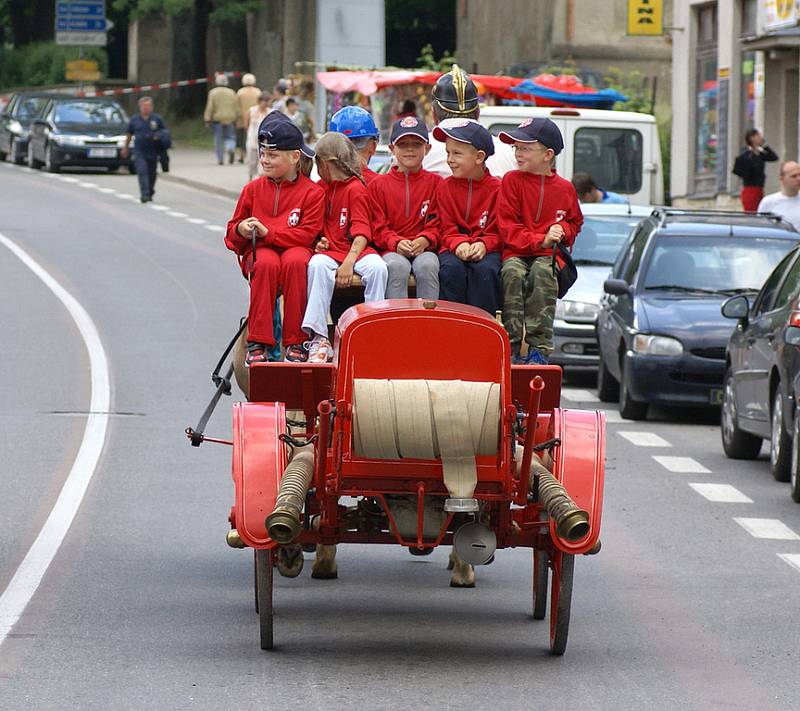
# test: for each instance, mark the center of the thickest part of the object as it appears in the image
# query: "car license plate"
(715, 396)
(102, 153)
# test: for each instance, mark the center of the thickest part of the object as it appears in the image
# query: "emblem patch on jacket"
(484, 219)
(343, 217)
(423, 210)
(294, 217)
(560, 215)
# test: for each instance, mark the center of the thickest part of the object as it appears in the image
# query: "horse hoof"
(324, 575)
(454, 584)
(289, 561)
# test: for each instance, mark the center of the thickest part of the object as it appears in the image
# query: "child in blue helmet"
(358, 125)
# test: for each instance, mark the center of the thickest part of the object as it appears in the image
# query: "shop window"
(706, 88)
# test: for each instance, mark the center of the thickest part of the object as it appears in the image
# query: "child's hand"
(246, 226)
(344, 275)
(419, 245)
(321, 245)
(464, 251)
(554, 234)
(405, 248)
(477, 252)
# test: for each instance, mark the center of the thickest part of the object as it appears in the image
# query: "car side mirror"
(736, 307)
(617, 287)
(791, 336)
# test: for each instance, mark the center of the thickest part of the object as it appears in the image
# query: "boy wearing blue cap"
(536, 210)
(469, 251)
(405, 227)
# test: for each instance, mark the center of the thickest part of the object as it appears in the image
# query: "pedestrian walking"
(785, 202)
(222, 112)
(149, 135)
(247, 97)
(749, 166)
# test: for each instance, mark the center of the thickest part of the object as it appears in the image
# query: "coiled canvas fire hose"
(451, 420)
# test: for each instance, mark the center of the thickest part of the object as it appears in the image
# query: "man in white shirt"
(785, 203)
(455, 98)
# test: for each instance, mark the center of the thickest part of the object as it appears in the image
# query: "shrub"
(43, 63)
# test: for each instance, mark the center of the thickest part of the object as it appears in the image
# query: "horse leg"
(463, 575)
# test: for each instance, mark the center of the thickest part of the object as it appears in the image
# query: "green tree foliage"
(42, 63)
(221, 11)
(635, 85)
(427, 60)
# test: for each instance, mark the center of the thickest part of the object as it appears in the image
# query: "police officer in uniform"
(455, 98)
(147, 129)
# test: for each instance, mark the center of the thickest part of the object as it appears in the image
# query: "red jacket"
(467, 212)
(529, 205)
(347, 215)
(404, 207)
(291, 210)
(368, 175)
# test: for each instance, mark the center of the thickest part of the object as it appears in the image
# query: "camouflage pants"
(530, 291)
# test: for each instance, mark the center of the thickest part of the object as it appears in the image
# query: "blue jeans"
(224, 139)
(474, 283)
(145, 165)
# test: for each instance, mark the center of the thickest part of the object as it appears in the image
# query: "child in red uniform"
(536, 209)
(343, 248)
(286, 209)
(405, 226)
(469, 251)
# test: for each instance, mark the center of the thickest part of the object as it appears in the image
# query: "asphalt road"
(145, 607)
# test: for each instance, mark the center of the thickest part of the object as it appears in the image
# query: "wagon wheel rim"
(560, 600)
(264, 590)
(540, 579)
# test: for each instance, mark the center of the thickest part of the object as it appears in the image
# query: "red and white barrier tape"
(155, 87)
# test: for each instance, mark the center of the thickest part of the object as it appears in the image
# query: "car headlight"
(63, 140)
(120, 140)
(579, 310)
(16, 128)
(657, 345)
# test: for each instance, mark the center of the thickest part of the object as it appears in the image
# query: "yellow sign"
(645, 17)
(780, 13)
(82, 70)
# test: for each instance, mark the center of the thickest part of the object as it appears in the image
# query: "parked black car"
(15, 124)
(762, 374)
(661, 335)
(79, 132)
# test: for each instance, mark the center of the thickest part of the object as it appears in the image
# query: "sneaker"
(535, 357)
(257, 355)
(297, 353)
(320, 350)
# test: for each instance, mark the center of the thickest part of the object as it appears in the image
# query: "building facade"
(735, 66)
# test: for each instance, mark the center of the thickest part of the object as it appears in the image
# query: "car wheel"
(607, 385)
(794, 474)
(780, 450)
(17, 155)
(629, 408)
(32, 162)
(736, 443)
(50, 164)
(3, 155)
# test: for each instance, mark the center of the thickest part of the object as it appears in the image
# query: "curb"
(199, 185)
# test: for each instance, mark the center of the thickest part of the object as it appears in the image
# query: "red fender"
(259, 459)
(580, 466)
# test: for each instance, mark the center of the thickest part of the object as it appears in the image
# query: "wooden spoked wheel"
(563, 565)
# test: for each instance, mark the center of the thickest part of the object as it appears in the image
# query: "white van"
(619, 149)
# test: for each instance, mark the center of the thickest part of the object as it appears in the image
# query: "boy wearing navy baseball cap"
(469, 248)
(286, 209)
(405, 226)
(536, 209)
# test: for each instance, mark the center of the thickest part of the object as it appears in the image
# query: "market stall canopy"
(369, 82)
(567, 90)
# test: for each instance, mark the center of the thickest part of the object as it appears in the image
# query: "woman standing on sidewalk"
(252, 120)
(749, 166)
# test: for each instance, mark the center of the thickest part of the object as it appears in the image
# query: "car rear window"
(612, 156)
(601, 237)
(716, 263)
(28, 107)
(88, 112)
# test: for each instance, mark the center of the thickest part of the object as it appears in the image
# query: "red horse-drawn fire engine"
(422, 418)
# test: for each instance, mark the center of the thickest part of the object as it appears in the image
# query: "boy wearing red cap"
(469, 248)
(405, 227)
(286, 210)
(536, 209)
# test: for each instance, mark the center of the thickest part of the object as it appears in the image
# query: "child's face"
(534, 157)
(409, 152)
(279, 164)
(464, 160)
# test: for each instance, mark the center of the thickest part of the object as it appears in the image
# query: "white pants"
(322, 281)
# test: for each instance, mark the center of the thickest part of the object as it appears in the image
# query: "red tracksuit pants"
(275, 270)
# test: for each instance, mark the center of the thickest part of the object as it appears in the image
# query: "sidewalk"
(198, 169)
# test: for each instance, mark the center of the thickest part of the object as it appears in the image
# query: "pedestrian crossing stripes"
(721, 493)
(644, 439)
(681, 465)
(767, 528)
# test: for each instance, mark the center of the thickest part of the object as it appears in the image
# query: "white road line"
(69, 179)
(160, 208)
(681, 465)
(48, 175)
(214, 228)
(197, 220)
(576, 395)
(172, 213)
(721, 493)
(87, 185)
(644, 439)
(31, 570)
(107, 191)
(614, 418)
(124, 196)
(792, 559)
(767, 528)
